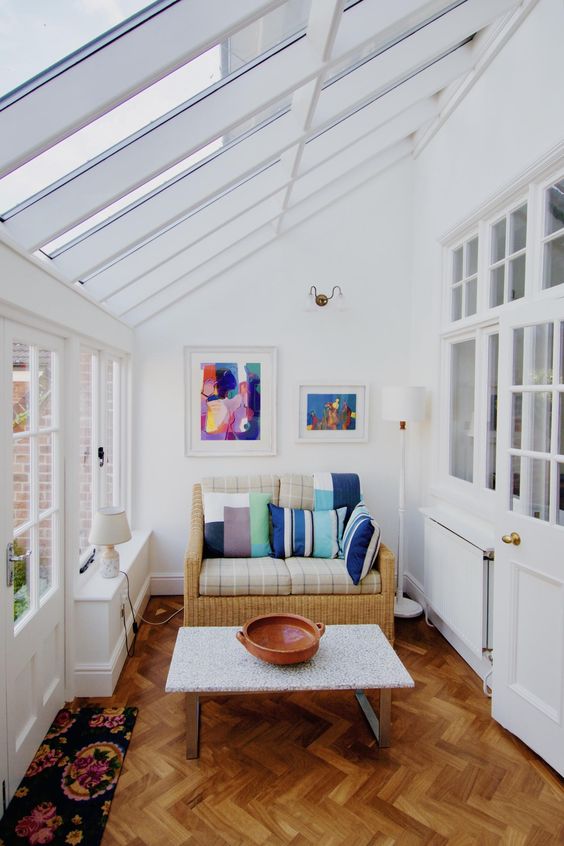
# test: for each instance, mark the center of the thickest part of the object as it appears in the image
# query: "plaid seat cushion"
(268, 484)
(328, 576)
(296, 491)
(244, 577)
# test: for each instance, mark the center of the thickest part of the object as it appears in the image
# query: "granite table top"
(350, 657)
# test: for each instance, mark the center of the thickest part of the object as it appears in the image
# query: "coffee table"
(210, 660)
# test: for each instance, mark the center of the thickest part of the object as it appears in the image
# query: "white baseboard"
(167, 584)
(481, 665)
(101, 679)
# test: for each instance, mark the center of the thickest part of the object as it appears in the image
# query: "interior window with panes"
(553, 240)
(464, 280)
(508, 244)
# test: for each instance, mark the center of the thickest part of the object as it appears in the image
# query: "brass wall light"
(323, 299)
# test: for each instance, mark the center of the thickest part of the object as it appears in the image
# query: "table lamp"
(403, 404)
(109, 527)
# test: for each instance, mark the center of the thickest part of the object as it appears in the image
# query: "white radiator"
(459, 585)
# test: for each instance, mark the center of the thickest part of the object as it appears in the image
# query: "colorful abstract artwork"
(230, 398)
(335, 412)
(332, 413)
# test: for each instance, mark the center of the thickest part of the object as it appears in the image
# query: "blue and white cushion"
(361, 542)
(316, 534)
(335, 490)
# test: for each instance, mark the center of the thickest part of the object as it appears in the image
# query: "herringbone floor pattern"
(304, 769)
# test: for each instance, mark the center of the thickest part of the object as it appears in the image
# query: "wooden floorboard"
(304, 770)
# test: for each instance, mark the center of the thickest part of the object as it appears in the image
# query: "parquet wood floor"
(303, 769)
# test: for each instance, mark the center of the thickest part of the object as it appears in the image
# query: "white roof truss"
(363, 84)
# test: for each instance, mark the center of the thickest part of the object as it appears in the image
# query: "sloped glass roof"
(178, 89)
(36, 34)
(190, 140)
(172, 174)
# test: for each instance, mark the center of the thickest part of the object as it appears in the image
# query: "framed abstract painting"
(329, 413)
(230, 400)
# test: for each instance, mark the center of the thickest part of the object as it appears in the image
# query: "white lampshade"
(109, 527)
(403, 403)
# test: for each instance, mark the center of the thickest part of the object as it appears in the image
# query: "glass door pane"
(462, 410)
(537, 428)
(35, 461)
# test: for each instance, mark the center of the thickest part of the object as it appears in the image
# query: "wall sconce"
(323, 299)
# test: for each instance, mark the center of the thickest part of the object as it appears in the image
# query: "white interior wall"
(361, 243)
(510, 119)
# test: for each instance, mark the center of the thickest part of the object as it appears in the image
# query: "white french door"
(31, 529)
(528, 691)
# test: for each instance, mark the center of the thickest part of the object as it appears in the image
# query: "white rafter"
(344, 126)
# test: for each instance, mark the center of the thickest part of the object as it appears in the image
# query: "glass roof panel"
(173, 174)
(210, 201)
(375, 47)
(36, 34)
(176, 91)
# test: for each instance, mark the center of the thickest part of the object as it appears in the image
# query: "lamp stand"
(109, 562)
(403, 607)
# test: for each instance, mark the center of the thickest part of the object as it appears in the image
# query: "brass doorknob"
(513, 538)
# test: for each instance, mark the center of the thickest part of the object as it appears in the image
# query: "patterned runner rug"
(66, 793)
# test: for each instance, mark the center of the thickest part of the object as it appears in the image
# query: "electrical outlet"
(122, 609)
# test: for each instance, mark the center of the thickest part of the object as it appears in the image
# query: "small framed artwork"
(332, 413)
(230, 396)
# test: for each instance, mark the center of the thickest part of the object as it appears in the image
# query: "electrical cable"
(135, 625)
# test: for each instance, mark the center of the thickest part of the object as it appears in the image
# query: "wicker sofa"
(372, 601)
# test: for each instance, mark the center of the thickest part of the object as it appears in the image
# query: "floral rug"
(66, 793)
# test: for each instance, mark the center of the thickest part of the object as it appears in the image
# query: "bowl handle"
(241, 638)
(321, 627)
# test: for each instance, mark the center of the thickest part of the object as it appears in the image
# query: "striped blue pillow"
(309, 534)
(361, 543)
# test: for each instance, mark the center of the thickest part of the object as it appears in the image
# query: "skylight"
(36, 34)
(175, 91)
(181, 170)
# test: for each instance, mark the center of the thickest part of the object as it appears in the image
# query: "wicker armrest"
(385, 564)
(194, 552)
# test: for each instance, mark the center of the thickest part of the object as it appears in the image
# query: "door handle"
(513, 538)
(12, 559)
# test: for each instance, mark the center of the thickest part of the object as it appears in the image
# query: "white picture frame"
(346, 421)
(222, 421)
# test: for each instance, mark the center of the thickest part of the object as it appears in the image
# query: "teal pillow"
(308, 534)
(236, 525)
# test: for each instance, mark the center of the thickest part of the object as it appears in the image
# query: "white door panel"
(528, 692)
(31, 450)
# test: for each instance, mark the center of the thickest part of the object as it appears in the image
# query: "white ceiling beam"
(166, 144)
(160, 148)
(203, 276)
(406, 57)
(171, 203)
(228, 259)
(165, 277)
(385, 21)
(354, 156)
(322, 29)
(344, 185)
(175, 202)
(195, 256)
(364, 126)
(151, 255)
(486, 46)
(96, 80)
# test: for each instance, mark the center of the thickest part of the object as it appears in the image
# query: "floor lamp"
(404, 405)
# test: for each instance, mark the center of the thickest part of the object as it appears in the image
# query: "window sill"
(96, 588)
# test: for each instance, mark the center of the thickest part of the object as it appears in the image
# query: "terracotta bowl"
(281, 638)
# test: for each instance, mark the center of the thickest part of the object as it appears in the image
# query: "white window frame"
(102, 357)
(530, 189)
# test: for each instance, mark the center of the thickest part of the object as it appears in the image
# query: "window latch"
(101, 456)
